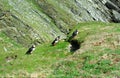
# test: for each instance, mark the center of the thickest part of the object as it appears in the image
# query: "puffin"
(31, 49)
(56, 40)
(75, 33)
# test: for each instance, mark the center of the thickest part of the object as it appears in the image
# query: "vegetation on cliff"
(94, 52)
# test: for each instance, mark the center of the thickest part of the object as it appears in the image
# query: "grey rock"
(39, 21)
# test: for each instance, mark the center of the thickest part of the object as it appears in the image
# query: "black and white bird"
(75, 33)
(31, 49)
(56, 40)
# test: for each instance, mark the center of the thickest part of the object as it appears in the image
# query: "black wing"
(53, 42)
(29, 50)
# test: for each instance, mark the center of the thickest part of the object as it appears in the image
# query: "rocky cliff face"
(38, 21)
(23, 21)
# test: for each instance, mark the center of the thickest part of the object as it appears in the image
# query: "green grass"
(4, 5)
(93, 59)
(98, 55)
(7, 44)
(42, 58)
(88, 64)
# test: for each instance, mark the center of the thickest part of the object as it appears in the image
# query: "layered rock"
(39, 21)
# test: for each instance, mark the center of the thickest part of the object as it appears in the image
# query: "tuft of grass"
(7, 44)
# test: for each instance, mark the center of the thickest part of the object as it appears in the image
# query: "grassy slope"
(98, 56)
(39, 62)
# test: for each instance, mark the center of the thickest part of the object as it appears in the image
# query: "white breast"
(33, 49)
